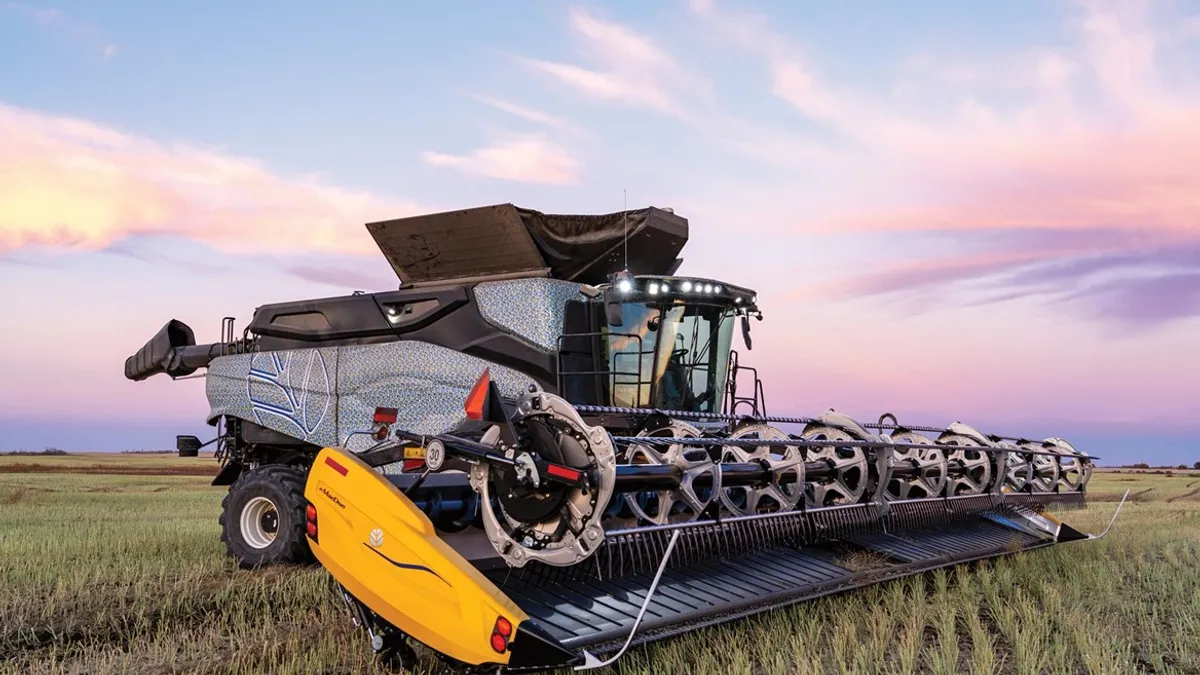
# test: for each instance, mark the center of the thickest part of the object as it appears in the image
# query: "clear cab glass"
(671, 353)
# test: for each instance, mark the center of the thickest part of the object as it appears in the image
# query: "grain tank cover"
(504, 239)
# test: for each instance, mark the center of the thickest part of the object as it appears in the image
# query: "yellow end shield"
(386, 553)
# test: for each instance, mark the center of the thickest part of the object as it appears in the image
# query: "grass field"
(112, 563)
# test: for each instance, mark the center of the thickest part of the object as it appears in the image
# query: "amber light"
(310, 517)
(500, 634)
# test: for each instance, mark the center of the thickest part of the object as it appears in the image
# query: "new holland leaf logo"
(377, 537)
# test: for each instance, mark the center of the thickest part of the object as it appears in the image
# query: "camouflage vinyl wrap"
(321, 395)
(532, 309)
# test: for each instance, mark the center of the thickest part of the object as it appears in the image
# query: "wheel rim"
(260, 522)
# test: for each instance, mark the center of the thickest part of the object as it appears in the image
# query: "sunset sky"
(985, 212)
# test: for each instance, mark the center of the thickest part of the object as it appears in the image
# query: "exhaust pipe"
(173, 350)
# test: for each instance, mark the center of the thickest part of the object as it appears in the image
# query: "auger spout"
(172, 351)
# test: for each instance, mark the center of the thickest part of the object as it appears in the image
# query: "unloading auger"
(529, 457)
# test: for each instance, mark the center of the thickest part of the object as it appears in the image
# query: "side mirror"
(612, 309)
(746, 331)
(188, 446)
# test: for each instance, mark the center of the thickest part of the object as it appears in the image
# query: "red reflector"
(562, 472)
(336, 467)
(312, 530)
(385, 415)
(499, 643)
(503, 627)
(310, 513)
(413, 464)
(478, 396)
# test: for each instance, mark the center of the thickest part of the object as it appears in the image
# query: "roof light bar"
(628, 285)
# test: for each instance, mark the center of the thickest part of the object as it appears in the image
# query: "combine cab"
(530, 457)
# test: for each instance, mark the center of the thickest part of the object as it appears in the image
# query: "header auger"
(529, 457)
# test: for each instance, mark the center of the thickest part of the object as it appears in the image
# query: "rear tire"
(262, 517)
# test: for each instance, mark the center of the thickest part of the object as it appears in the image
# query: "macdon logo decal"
(333, 499)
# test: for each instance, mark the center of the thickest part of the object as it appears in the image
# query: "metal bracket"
(883, 469)
(999, 469)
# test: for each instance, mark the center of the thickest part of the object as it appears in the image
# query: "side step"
(597, 613)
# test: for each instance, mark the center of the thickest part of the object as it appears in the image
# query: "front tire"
(262, 517)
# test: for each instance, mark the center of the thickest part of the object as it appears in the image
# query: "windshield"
(671, 356)
(631, 354)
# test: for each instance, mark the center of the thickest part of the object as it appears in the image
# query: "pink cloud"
(72, 184)
(527, 114)
(527, 158)
(1103, 140)
(631, 69)
(910, 275)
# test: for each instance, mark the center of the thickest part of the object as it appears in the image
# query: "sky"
(976, 212)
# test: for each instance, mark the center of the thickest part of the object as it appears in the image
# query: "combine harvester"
(529, 457)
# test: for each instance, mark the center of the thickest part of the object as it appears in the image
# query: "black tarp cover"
(505, 239)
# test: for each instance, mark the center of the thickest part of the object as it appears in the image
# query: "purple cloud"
(1147, 302)
(1107, 277)
(152, 258)
(341, 277)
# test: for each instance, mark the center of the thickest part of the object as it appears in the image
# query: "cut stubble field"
(112, 563)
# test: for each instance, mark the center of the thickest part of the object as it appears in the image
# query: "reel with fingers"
(1044, 472)
(699, 478)
(971, 466)
(784, 488)
(1018, 468)
(1074, 470)
(917, 472)
(672, 473)
(846, 476)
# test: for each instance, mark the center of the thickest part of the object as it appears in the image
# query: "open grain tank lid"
(507, 240)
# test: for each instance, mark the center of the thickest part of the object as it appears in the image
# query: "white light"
(738, 300)
(625, 285)
(666, 288)
(653, 289)
(687, 286)
(717, 288)
(708, 288)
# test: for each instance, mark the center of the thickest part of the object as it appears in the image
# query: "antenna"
(625, 224)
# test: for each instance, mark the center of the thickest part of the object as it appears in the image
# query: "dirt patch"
(861, 561)
(1186, 495)
(94, 469)
(1104, 497)
(20, 495)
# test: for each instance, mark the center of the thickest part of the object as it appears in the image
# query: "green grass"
(109, 462)
(125, 573)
